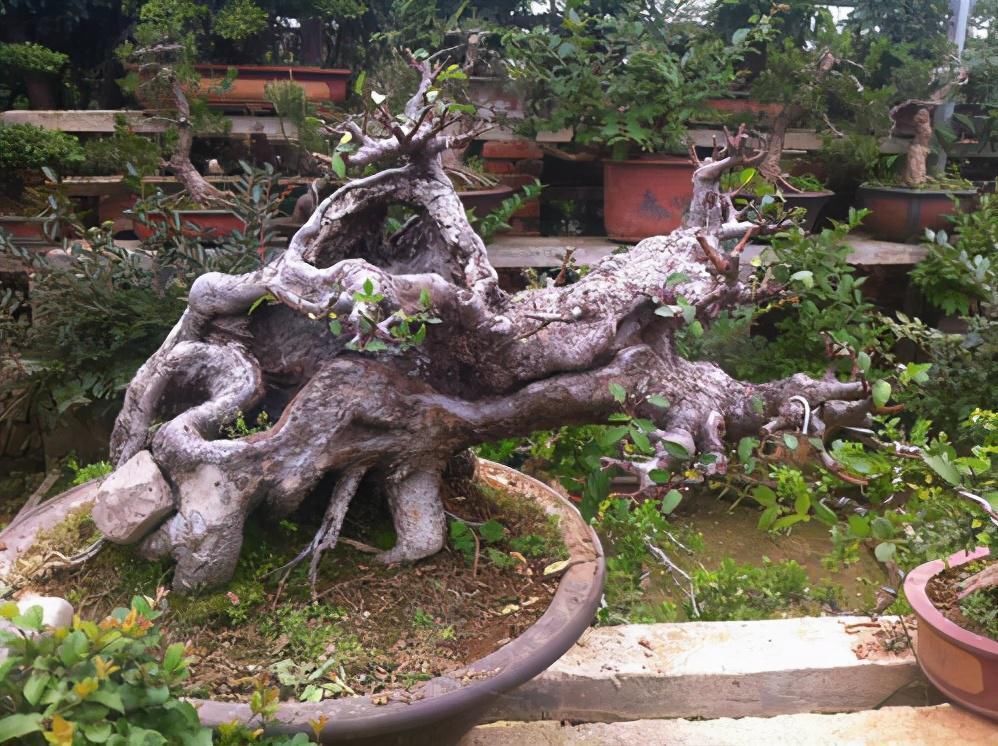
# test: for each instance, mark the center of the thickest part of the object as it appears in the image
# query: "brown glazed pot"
(645, 198)
(24, 228)
(961, 664)
(900, 214)
(812, 202)
(445, 708)
(484, 201)
(205, 224)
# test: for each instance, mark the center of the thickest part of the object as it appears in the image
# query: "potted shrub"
(36, 66)
(380, 356)
(25, 150)
(904, 207)
(957, 640)
(621, 85)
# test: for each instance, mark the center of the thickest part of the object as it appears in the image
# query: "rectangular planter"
(203, 224)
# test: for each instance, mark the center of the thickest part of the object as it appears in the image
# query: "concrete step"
(721, 669)
(942, 725)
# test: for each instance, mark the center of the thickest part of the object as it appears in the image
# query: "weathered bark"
(495, 366)
(915, 169)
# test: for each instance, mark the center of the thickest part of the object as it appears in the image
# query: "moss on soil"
(978, 612)
(366, 629)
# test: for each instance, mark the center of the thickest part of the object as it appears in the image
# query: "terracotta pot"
(24, 228)
(321, 85)
(961, 664)
(646, 197)
(743, 106)
(204, 224)
(447, 706)
(900, 214)
(485, 201)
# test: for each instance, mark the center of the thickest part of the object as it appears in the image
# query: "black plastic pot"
(443, 709)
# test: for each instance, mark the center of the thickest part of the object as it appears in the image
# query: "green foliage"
(619, 80)
(290, 103)
(981, 608)
(497, 220)
(114, 682)
(28, 57)
(239, 429)
(121, 153)
(25, 147)
(633, 532)
(961, 270)
(240, 19)
(92, 324)
(738, 591)
(84, 474)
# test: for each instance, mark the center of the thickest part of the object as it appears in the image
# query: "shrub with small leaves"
(112, 683)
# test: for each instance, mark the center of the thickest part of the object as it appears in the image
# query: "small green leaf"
(791, 441)
(339, 165)
(34, 687)
(666, 311)
(768, 518)
(19, 725)
(640, 440)
(824, 514)
(746, 446)
(659, 476)
(882, 528)
(943, 467)
(618, 392)
(863, 362)
(174, 657)
(657, 400)
(802, 504)
(859, 526)
(671, 501)
(676, 450)
(492, 531)
(805, 277)
(675, 278)
(885, 551)
(611, 435)
(764, 496)
(881, 393)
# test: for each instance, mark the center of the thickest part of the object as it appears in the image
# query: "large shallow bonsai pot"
(647, 197)
(204, 224)
(24, 228)
(442, 709)
(961, 664)
(321, 85)
(900, 214)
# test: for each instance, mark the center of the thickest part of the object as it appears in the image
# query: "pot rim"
(910, 192)
(473, 686)
(333, 72)
(496, 190)
(914, 590)
(657, 160)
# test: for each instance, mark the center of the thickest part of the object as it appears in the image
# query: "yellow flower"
(86, 687)
(61, 733)
(104, 668)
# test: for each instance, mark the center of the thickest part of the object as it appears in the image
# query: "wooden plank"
(941, 725)
(102, 122)
(716, 669)
(546, 251)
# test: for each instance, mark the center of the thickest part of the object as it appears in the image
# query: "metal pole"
(960, 11)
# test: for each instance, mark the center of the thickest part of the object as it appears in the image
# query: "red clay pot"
(204, 224)
(645, 197)
(961, 664)
(321, 85)
(744, 106)
(899, 214)
(24, 228)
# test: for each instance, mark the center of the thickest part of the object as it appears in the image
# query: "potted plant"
(902, 208)
(25, 150)
(380, 356)
(621, 85)
(36, 66)
(960, 657)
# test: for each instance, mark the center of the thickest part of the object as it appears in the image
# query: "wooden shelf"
(547, 251)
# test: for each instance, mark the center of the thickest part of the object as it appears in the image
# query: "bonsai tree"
(622, 82)
(383, 356)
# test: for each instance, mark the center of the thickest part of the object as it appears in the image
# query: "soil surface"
(364, 628)
(942, 590)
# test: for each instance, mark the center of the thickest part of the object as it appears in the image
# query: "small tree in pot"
(625, 84)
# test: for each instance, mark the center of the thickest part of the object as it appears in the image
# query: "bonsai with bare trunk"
(330, 336)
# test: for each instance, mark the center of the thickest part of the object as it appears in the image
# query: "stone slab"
(133, 500)
(715, 669)
(943, 725)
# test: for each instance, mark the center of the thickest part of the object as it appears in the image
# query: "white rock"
(133, 500)
(56, 612)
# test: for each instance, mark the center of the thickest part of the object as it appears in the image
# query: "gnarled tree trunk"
(360, 399)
